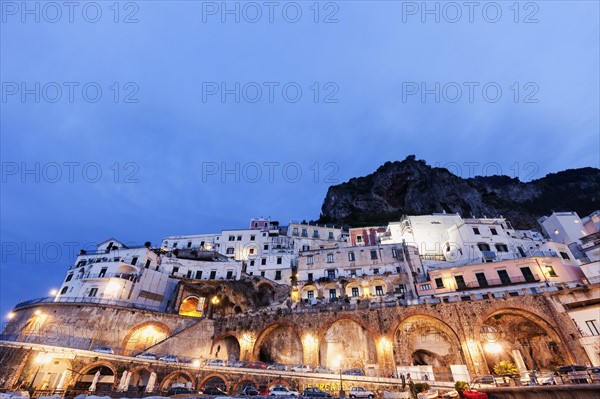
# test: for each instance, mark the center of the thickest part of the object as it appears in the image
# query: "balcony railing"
(125, 276)
(497, 282)
(98, 301)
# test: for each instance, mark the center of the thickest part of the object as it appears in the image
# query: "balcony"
(125, 276)
(489, 283)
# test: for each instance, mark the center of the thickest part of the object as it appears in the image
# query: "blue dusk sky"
(151, 118)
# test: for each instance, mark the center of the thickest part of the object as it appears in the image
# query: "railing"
(125, 276)
(97, 301)
(497, 282)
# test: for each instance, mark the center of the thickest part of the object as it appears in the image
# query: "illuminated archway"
(139, 379)
(279, 343)
(226, 348)
(177, 377)
(347, 343)
(106, 378)
(192, 306)
(144, 336)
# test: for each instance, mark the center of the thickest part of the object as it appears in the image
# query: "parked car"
(594, 373)
(282, 391)
(147, 355)
(353, 372)
(360, 392)
(323, 370)
(105, 349)
(180, 391)
(214, 391)
(256, 365)
(277, 366)
(169, 358)
(316, 393)
(301, 368)
(575, 374)
(250, 391)
(484, 380)
(216, 362)
(237, 363)
(546, 378)
(263, 390)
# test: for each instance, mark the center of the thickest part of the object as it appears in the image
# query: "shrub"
(461, 386)
(505, 368)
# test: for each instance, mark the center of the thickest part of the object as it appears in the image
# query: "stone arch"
(226, 347)
(279, 343)
(306, 288)
(353, 284)
(278, 382)
(189, 306)
(352, 338)
(424, 339)
(214, 380)
(527, 338)
(139, 378)
(144, 335)
(106, 382)
(176, 376)
(52, 374)
(244, 382)
(373, 284)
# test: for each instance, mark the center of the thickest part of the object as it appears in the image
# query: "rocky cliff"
(412, 187)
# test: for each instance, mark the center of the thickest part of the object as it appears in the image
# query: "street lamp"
(338, 361)
(214, 302)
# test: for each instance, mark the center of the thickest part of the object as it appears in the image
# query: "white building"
(563, 227)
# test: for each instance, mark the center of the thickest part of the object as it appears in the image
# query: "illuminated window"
(354, 291)
(551, 271)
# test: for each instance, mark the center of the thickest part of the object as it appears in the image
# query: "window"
(501, 248)
(353, 273)
(332, 293)
(279, 260)
(262, 274)
(304, 233)
(330, 236)
(231, 238)
(401, 288)
(310, 260)
(213, 274)
(425, 287)
(394, 252)
(134, 260)
(93, 292)
(315, 233)
(529, 277)
(230, 251)
(354, 291)
(564, 255)
(147, 263)
(551, 271)
(266, 247)
(310, 277)
(494, 232)
(189, 244)
(64, 290)
(379, 290)
(295, 232)
(310, 294)
(329, 258)
(373, 254)
(475, 230)
(483, 247)
(351, 256)
(252, 262)
(277, 274)
(375, 271)
(439, 283)
(189, 274)
(331, 273)
(481, 279)
(306, 247)
(504, 277)
(174, 271)
(69, 277)
(359, 239)
(81, 263)
(239, 238)
(251, 251)
(175, 245)
(592, 325)
(460, 282)
(252, 238)
(198, 274)
(229, 274)
(263, 261)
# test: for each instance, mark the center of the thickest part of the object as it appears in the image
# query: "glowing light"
(215, 300)
(112, 288)
(43, 358)
(337, 362)
(53, 292)
(493, 347)
(10, 316)
(385, 343)
(196, 363)
(38, 312)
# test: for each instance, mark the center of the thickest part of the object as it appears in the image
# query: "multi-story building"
(563, 227)
(357, 272)
(207, 242)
